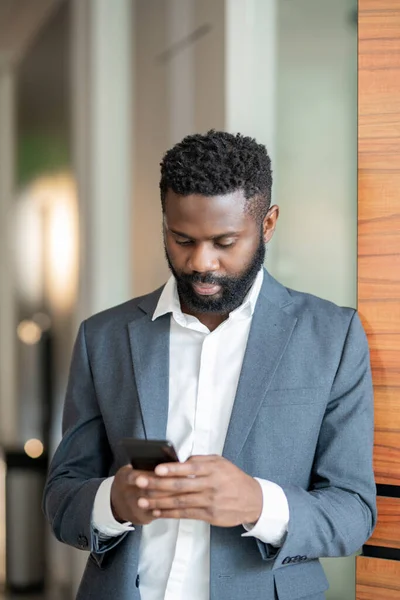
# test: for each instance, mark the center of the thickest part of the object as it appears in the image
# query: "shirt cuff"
(272, 526)
(103, 520)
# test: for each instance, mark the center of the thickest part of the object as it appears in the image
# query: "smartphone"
(145, 455)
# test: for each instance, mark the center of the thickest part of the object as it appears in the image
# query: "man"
(265, 393)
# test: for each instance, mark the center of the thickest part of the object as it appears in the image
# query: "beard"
(233, 289)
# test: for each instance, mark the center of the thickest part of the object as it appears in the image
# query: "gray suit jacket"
(302, 417)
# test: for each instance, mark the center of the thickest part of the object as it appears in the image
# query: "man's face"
(214, 249)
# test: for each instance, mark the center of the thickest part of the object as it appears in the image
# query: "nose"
(203, 259)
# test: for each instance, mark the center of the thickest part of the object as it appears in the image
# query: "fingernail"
(161, 470)
(156, 513)
(143, 503)
(142, 481)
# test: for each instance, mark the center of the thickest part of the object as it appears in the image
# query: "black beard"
(233, 289)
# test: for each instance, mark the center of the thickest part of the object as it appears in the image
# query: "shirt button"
(137, 582)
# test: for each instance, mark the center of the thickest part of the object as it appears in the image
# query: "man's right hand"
(125, 495)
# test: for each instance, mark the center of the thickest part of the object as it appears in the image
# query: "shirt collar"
(169, 301)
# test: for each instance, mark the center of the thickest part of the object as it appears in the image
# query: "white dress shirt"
(174, 561)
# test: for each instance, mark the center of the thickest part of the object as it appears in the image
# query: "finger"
(124, 472)
(199, 467)
(141, 476)
(173, 485)
(154, 494)
(126, 468)
(175, 502)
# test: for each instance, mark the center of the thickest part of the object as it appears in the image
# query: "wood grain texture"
(387, 409)
(377, 579)
(387, 433)
(379, 219)
(387, 457)
(387, 531)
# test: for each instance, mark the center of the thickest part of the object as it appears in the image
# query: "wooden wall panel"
(379, 276)
(387, 532)
(387, 457)
(379, 219)
(377, 579)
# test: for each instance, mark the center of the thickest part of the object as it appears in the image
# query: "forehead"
(207, 216)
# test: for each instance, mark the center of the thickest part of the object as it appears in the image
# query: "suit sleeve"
(337, 514)
(81, 462)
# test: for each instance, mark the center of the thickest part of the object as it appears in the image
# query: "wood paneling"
(377, 579)
(379, 220)
(387, 434)
(387, 457)
(387, 409)
(379, 268)
(387, 532)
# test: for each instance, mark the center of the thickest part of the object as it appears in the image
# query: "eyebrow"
(213, 237)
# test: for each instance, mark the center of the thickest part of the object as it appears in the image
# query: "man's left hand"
(206, 488)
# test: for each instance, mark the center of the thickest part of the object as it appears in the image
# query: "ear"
(269, 223)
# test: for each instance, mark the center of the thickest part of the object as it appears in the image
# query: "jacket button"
(137, 582)
(286, 560)
(297, 559)
(304, 558)
(82, 541)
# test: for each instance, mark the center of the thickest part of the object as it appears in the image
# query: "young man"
(265, 393)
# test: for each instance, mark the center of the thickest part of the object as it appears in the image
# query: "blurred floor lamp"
(46, 236)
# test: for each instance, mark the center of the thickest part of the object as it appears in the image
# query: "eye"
(185, 243)
(225, 244)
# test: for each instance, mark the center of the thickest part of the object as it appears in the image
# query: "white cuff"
(272, 525)
(102, 516)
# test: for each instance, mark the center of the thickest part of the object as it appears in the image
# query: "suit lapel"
(269, 335)
(149, 341)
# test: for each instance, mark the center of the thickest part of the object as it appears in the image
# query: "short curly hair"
(217, 163)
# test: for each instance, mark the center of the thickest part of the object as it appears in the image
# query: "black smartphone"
(145, 455)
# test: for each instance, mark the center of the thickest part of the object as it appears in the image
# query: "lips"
(206, 289)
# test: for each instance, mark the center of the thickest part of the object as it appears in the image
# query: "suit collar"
(274, 292)
(148, 303)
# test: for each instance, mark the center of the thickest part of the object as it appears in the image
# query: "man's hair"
(218, 163)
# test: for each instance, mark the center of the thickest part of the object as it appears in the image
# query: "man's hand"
(125, 494)
(206, 488)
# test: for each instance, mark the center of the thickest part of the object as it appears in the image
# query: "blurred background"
(92, 93)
